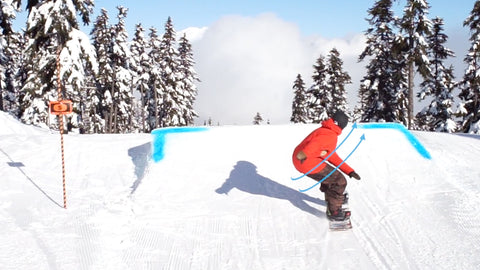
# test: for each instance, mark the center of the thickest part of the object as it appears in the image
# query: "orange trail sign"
(61, 107)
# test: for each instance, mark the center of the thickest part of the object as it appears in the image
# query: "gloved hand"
(301, 156)
(354, 175)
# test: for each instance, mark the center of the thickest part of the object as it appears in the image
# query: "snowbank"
(223, 199)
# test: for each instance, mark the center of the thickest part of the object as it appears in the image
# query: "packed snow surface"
(224, 199)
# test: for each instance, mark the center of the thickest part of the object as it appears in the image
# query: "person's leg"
(333, 186)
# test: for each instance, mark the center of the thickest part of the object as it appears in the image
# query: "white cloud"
(193, 34)
(248, 65)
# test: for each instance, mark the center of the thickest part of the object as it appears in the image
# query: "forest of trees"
(397, 48)
(117, 85)
(122, 84)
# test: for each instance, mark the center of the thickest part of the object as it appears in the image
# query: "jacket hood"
(330, 124)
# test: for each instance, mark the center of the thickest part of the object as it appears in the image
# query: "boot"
(345, 198)
(338, 215)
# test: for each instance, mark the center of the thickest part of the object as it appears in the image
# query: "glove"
(301, 156)
(354, 175)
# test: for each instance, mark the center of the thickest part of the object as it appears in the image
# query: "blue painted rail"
(410, 137)
(159, 139)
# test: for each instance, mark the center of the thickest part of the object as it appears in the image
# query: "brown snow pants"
(333, 186)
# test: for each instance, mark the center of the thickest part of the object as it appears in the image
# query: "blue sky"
(327, 18)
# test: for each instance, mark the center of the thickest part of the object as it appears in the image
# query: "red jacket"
(317, 146)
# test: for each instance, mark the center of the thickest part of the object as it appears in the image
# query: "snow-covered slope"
(223, 199)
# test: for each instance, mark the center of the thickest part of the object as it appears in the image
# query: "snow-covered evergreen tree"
(53, 25)
(469, 108)
(8, 10)
(438, 115)
(140, 65)
(114, 82)
(415, 28)
(10, 56)
(187, 79)
(318, 95)
(384, 78)
(153, 94)
(121, 108)
(98, 112)
(171, 108)
(336, 81)
(299, 104)
(91, 120)
(98, 77)
(257, 119)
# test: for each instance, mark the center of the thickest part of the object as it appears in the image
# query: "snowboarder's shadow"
(244, 177)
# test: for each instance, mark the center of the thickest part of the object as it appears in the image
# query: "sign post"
(60, 108)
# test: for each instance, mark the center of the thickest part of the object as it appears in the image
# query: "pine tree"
(299, 107)
(121, 108)
(379, 88)
(469, 108)
(438, 115)
(13, 72)
(8, 11)
(257, 119)
(53, 25)
(337, 79)
(10, 57)
(415, 28)
(141, 66)
(171, 106)
(153, 94)
(188, 78)
(103, 43)
(114, 82)
(318, 95)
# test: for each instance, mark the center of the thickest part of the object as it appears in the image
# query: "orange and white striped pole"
(60, 117)
(60, 108)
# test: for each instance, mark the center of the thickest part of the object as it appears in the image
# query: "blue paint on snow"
(159, 139)
(410, 137)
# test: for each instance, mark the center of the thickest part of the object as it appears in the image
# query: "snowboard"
(335, 225)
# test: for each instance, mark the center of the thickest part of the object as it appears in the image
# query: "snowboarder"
(317, 146)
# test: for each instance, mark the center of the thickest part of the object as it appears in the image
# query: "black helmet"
(340, 118)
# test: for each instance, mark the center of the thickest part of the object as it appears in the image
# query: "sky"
(328, 18)
(248, 53)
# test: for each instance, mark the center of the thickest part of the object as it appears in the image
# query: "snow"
(223, 199)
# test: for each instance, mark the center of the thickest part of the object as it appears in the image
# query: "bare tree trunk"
(410, 95)
(156, 106)
(143, 108)
(110, 121)
(1, 100)
(115, 119)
